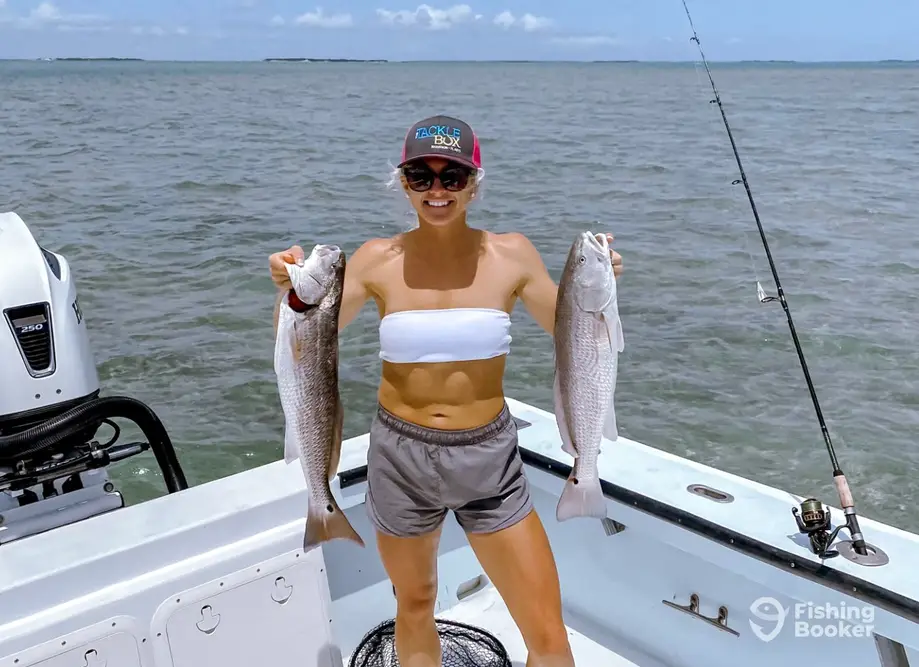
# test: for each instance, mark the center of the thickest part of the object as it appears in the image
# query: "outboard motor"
(52, 467)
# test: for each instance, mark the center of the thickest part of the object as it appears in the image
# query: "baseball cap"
(442, 136)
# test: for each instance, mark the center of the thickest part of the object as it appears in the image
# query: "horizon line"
(334, 60)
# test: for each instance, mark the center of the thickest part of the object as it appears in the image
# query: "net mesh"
(461, 646)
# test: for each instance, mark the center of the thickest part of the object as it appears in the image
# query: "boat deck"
(486, 609)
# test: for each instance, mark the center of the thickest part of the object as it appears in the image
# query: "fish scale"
(314, 420)
(587, 342)
(590, 350)
(306, 364)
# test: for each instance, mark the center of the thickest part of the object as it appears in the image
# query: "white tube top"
(446, 334)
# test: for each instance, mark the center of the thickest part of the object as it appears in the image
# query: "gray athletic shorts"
(415, 474)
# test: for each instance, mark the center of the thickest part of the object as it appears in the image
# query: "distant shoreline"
(890, 61)
(320, 60)
(78, 59)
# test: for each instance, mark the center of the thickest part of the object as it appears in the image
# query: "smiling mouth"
(435, 203)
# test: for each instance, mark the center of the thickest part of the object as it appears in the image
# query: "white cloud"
(429, 17)
(70, 27)
(529, 22)
(276, 20)
(48, 14)
(533, 23)
(158, 31)
(504, 19)
(319, 20)
(585, 40)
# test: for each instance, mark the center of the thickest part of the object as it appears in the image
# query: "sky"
(480, 30)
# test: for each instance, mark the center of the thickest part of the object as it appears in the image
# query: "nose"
(437, 186)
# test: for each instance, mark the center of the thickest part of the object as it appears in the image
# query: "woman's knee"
(416, 598)
(411, 563)
(547, 635)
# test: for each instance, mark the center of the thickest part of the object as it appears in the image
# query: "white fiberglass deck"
(216, 576)
(487, 610)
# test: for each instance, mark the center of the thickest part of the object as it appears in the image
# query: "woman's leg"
(411, 563)
(404, 506)
(484, 481)
(519, 562)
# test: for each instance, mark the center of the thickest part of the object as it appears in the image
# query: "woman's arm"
(537, 289)
(355, 292)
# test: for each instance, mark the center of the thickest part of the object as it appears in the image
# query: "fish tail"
(581, 498)
(325, 523)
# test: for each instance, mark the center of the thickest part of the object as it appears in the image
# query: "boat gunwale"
(264, 494)
(816, 571)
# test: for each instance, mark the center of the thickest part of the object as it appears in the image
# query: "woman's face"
(440, 190)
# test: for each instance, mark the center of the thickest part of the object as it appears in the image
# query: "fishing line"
(745, 231)
(839, 479)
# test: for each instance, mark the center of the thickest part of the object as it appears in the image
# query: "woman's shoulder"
(376, 251)
(512, 245)
(379, 247)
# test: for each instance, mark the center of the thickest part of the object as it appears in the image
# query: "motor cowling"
(46, 362)
(52, 459)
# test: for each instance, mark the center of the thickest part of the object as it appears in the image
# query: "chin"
(441, 216)
(438, 221)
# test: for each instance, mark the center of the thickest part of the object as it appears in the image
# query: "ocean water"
(167, 185)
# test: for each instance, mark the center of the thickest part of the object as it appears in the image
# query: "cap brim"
(466, 162)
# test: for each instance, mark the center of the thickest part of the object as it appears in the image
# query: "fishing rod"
(815, 520)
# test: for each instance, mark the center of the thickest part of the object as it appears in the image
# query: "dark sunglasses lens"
(454, 178)
(419, 179)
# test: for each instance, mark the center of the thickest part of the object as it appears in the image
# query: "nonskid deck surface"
(486, 609)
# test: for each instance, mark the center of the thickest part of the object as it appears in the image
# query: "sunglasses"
(421, 178)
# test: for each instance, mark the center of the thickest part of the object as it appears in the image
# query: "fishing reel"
(814, 521)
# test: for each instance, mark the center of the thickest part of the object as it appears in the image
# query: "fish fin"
(291, 451)
(296, 344)
(563, 430)
(581, 499)
(610, 428)
(617, 344)
(614, 327)
(335, 454)
(327, 523)
(293, 340)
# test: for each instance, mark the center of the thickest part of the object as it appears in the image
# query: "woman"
(443, 437)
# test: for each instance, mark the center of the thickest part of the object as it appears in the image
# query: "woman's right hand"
(277, 262)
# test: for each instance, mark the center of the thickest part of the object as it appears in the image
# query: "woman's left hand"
(615, 257)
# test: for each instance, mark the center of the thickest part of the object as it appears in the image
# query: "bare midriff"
(450, 396)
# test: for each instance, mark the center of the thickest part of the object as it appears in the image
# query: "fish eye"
(581, 259)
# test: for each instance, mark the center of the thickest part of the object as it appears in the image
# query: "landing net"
(461, 645)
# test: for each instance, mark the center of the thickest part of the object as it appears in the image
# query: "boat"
(693, 566)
